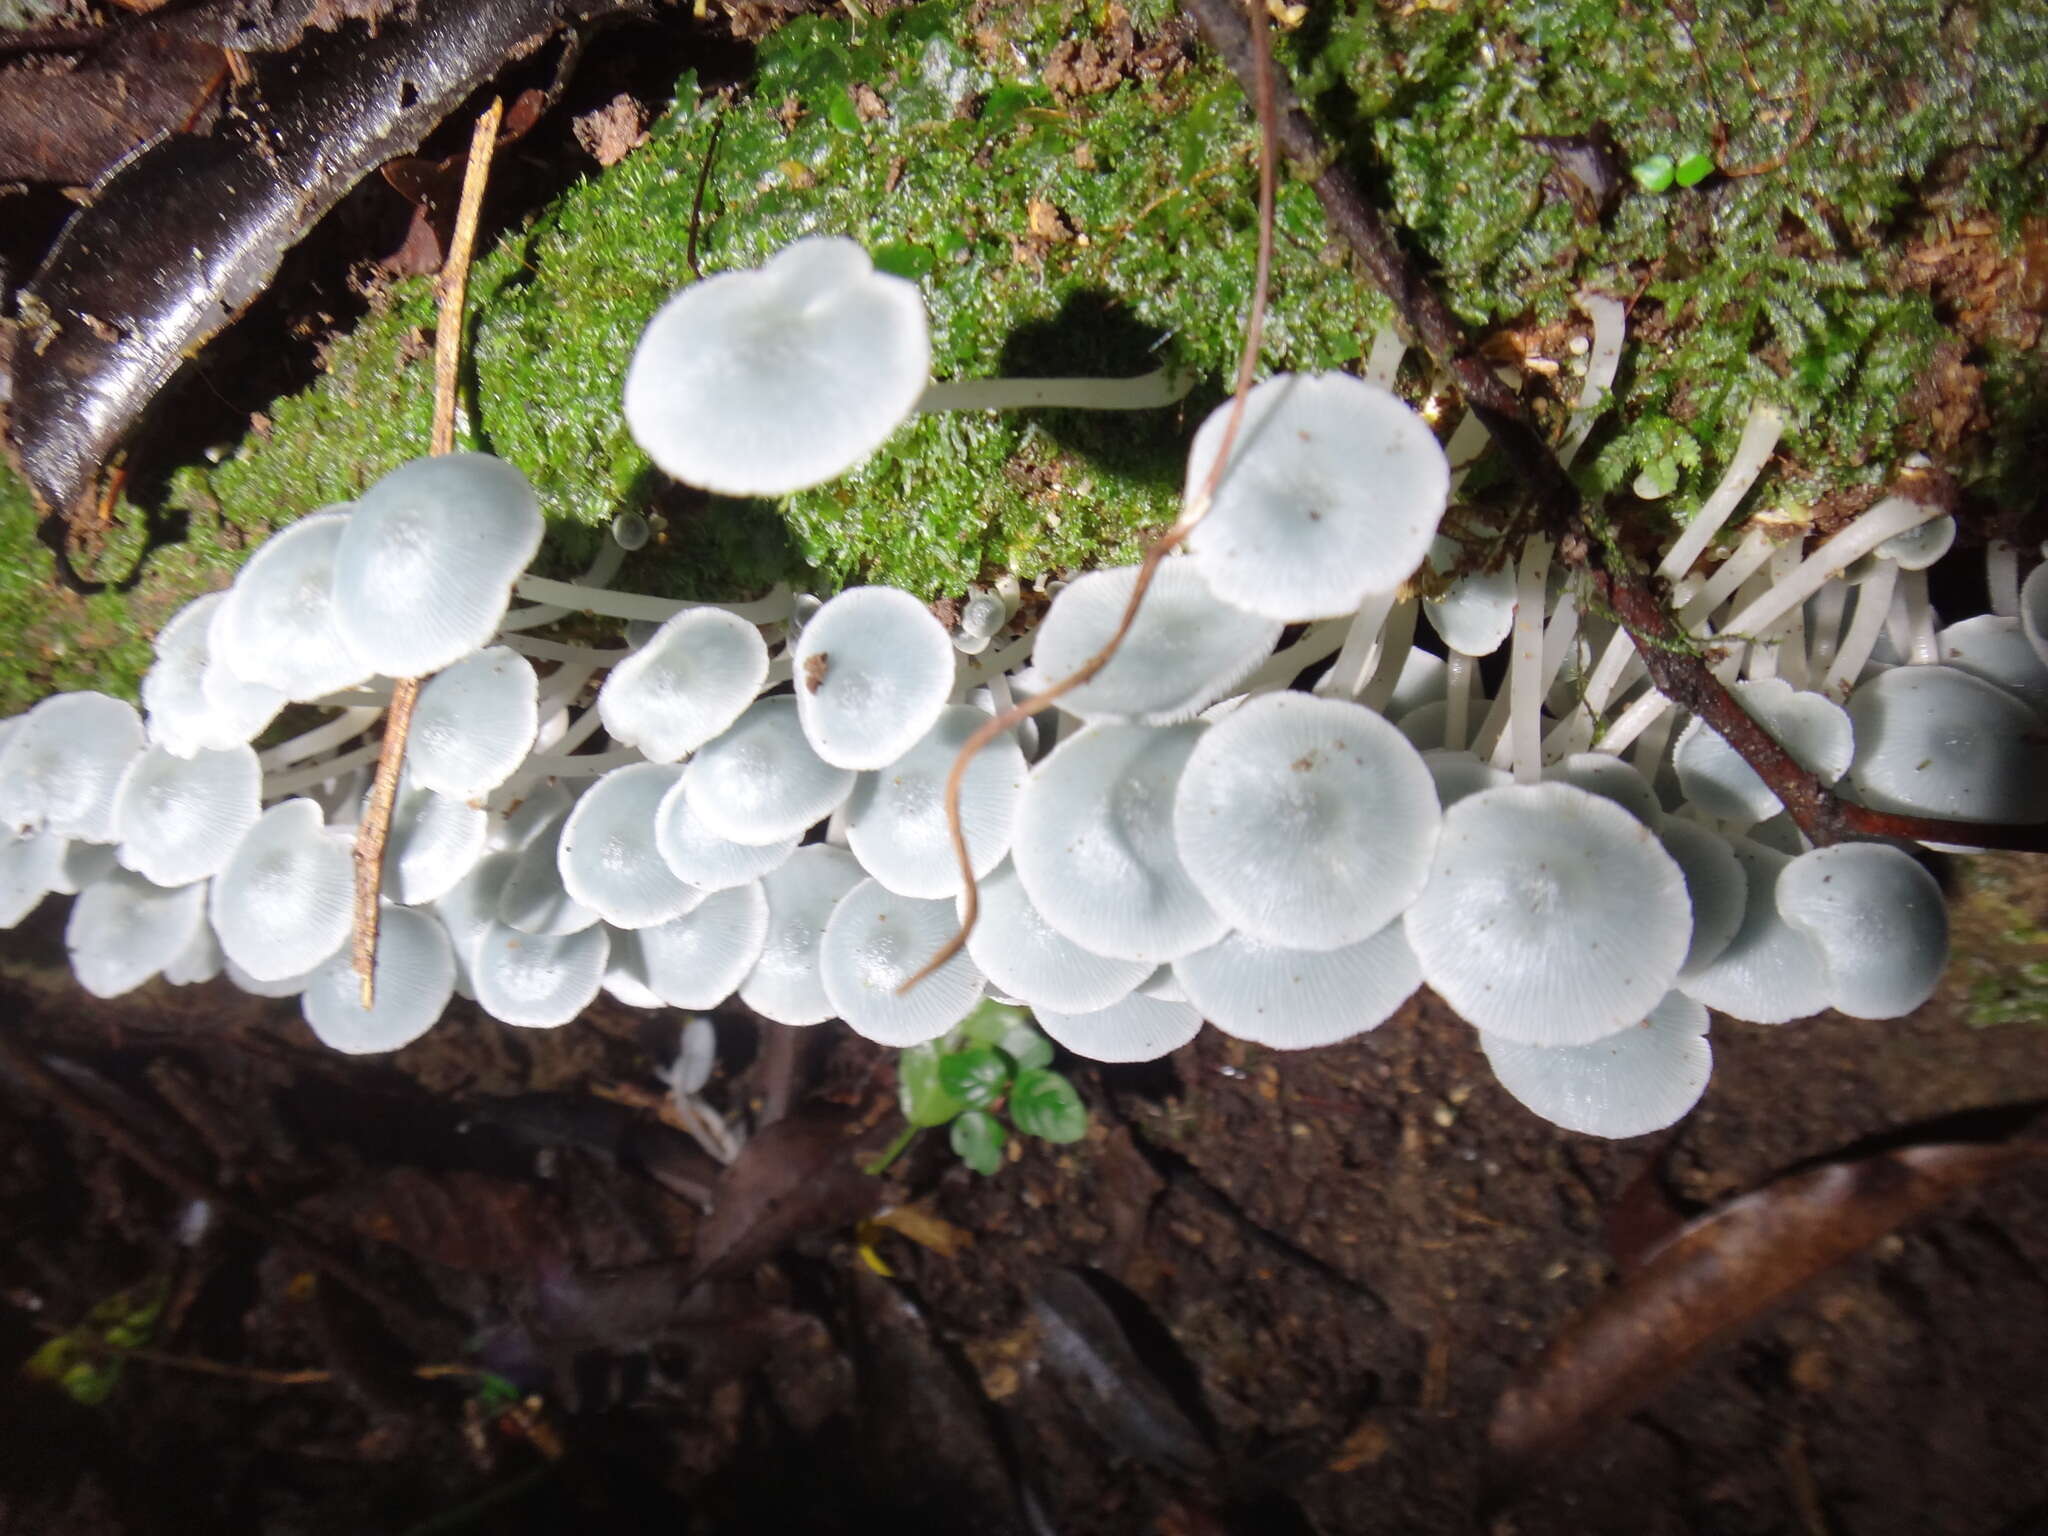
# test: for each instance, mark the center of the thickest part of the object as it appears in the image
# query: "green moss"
(1784, 285)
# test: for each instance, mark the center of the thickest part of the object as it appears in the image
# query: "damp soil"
(1327, 1265)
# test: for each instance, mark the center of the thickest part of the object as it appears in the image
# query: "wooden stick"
(376, 828)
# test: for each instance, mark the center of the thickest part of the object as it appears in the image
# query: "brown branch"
(1677, 670)
(261, 1375)
(376, 826)
(1197, 507)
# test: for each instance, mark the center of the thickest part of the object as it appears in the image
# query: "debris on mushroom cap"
(424, 567)
(685, 685)
(282, 904)
(784, 984)
(178, 819)
(1816, 731)
(538, 981)
(1306, 822)
(699, 959)
(1291, 999)
(1334, 490)
(1138, 1028)
(277, 626)
(1026, 958)
(873, 668)
(698, 856)
(1095, 847)
(1770, 972)
(896, 817)
(1551, 916)
(1931, 740)
(763, 382)
(609, 863)
(874, 942)
(1637, 1080)
(415, 977)
(763, 781)
(1185, 650)
(61, 766)
(1879, 920)
(123, 929)
(473, 724)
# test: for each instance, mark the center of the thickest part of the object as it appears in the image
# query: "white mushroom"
(61, 766)
(474, 724)
(685, 685)
(123, 930)
(784, 984)
(877, 940)
(178, 819)
(1879, 920)
(607, 858)
(1637, 1080)
(282, 904)
(896, 817)
(415, 977)
(1293, 999)
(872, 671)
(1138, 1028)
(762, 781)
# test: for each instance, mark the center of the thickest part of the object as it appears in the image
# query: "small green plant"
(993, 1062)
(85, 1364)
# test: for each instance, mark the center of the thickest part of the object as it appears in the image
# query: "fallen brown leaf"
(1718, 1274)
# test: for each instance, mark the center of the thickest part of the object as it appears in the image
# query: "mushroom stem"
(581, 765)
(1147, 391)
(1920, 648)
(350, 723)
(1890, 517)
(281, 786)
(1759, 436)
(1610, 326)
(634, 605)
(1526, 680)
(1829, 604)
(1361, 640)
(1632, 722)
(1383, 362)
(1873, 604)
(1458, 699)
(581, 655)
(2002, 576)
(1397, 641)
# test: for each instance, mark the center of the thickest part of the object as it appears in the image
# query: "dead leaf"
(923, 1227)
(800, 1176)
(434, 188)
(68, 128)
(459, 1219)
(1718, 1274)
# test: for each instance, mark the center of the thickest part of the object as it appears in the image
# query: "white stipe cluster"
(748, 799)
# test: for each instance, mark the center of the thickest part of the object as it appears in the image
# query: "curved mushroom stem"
(1610, 327)
(1147, 391)
(1890, 517)
(1829, 604)
(1920, 648)
(571, 597)
(1760, 434)
(1361, 644)
(1397, 643)
(1873, 606)
(281, 786)
(348, 724)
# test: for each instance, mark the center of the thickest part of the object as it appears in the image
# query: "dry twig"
(1675, 666)
(1192, 513)
(376, 826)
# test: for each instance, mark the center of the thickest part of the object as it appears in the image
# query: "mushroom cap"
(277, 627)
(178, 819)
(698, 856)
(283, 903)
(415, 977)
(1477, 609)
(283, 986)
(1551, 916)
(1715, 885)
(1816, 731)
(763, 382)
(1185, 650)
(1306, 822)
(873, 668)
(535, 900)
(474, 724)
(1998, 651)
(762, 781)
(1095, 847)
(1291, 999)
(1921, 545)
(1605, 775)
(192, 704)
(538, 981)
(1770, 972)
(28, 872)
(1424, 679)
(433, 841)
(199, 961)
(784, 984)
(1333, 491)
(424, 568)
(1135, 1028)
(123, 929)
(699, 959)
(471, 905)
(1026, 958)
(876, 941)
(896, 817)
(608, 861)
(1879, 920)
(2034, 612)
(685, 685)
(61, 766)
(1637, 1080)
(1460, 773)
(1934, 741)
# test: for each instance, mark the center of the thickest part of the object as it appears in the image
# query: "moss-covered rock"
(1083, 203)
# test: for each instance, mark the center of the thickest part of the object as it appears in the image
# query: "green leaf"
(919, 1091)
(975, 1076)
(1025, 1046)
(1693, 169)
(1010, 1031)
(1654, 174)
(979, 1138)
(1045, 1105)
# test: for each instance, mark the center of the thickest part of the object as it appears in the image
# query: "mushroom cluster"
(1282, 833)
